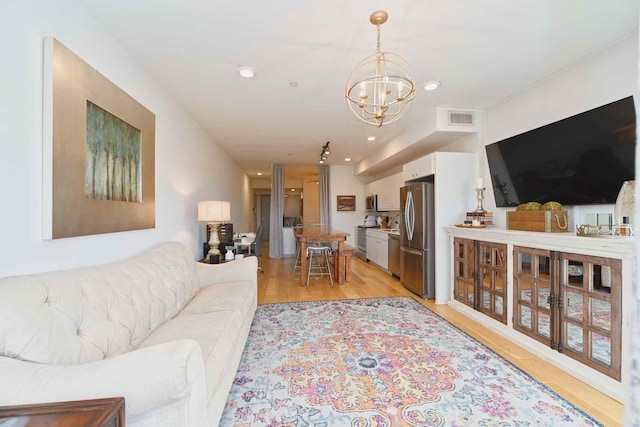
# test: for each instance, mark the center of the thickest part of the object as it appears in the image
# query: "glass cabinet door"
(590, 311)
(464, 254)
(533, 293)
(492, 272)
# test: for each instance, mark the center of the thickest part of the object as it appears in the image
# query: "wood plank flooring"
(276, 284)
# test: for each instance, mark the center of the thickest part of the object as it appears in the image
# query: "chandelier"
(380, 88)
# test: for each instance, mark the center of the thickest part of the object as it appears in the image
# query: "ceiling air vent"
(464, 118)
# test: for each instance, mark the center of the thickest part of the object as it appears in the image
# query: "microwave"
(371, 203)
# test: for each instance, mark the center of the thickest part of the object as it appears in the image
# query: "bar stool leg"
(326, 264)
(296, 262)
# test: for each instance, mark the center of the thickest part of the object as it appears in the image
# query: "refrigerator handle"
(409, 214)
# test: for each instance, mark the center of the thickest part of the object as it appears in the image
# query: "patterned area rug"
(380, 362)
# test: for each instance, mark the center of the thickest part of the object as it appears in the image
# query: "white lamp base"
(214, 240)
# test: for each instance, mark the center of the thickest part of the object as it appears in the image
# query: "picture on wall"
(112, 157)
(98, 152)
(346, 203)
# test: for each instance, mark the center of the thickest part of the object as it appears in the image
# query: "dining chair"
(257, 246)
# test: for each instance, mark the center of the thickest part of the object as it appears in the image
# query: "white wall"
(597, 80)
(189, 165)
(342, 182)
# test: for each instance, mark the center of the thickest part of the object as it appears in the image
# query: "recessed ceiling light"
(293, 84)
(293, 189)
(259, 174)
(347, 159)
(371, 138)
(246, 72)
(431, 85)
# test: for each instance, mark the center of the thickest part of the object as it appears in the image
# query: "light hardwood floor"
(277, 285)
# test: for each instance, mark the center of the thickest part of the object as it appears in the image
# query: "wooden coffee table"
(82, 413)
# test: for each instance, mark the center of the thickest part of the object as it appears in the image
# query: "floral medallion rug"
(380, 362)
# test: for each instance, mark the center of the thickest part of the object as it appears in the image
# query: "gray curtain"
(276, 243)
(323, 192)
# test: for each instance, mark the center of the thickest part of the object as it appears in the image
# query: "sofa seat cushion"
(224, 296)
(213, 319)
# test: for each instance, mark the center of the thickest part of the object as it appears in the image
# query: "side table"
(82, 413)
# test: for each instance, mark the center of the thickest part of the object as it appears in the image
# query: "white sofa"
(159, 329)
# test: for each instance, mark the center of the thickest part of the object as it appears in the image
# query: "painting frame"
(69, 83)
(346, 203)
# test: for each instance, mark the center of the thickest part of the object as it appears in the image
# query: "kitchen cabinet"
(424, 166)
(288, 241)
(377, 248)
(371, 188)
(394, 254)
(480, 275)
(571, 303)
(388, 190)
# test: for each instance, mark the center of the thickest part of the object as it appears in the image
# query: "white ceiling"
(481, 51)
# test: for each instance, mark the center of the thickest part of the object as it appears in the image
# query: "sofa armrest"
(148, 379)
(245, 269)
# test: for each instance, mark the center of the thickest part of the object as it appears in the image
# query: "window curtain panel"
(276, 242)
(323, 193)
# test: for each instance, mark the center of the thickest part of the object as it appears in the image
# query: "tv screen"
(580, 160)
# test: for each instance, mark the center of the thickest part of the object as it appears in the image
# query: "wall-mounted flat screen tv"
(580, 160)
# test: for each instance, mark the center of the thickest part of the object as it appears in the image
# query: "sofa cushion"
(88, 314)
(224, 296)
(214, 318)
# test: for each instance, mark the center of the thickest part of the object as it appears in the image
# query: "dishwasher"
(394, 254)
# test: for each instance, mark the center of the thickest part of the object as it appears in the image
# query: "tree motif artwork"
(113, 157)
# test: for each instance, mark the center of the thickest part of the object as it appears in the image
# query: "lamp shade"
(211, 211)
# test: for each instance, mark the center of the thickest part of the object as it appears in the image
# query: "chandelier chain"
(378, 42)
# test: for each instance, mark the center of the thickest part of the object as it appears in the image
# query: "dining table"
(305, 235)
(244, 242)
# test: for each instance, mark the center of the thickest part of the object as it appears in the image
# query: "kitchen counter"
(391, 231)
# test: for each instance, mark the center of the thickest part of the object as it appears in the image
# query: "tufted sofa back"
(89, 314)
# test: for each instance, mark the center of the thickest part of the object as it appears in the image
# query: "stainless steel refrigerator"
(417, 239)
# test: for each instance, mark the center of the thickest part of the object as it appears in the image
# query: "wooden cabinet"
(480, 275)
(571, 303)
(377, 248)
(567, 298)
(107, 412)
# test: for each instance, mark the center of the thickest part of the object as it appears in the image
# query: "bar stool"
(295, 268)
(318, 269)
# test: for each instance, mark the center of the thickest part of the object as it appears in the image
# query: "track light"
(325, 152)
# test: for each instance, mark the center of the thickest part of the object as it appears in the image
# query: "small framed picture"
(346, 203)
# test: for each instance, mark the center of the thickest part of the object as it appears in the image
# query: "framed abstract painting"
(99, 151)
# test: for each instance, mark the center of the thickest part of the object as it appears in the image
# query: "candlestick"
(480, 197)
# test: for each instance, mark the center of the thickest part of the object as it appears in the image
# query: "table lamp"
(214, 213)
